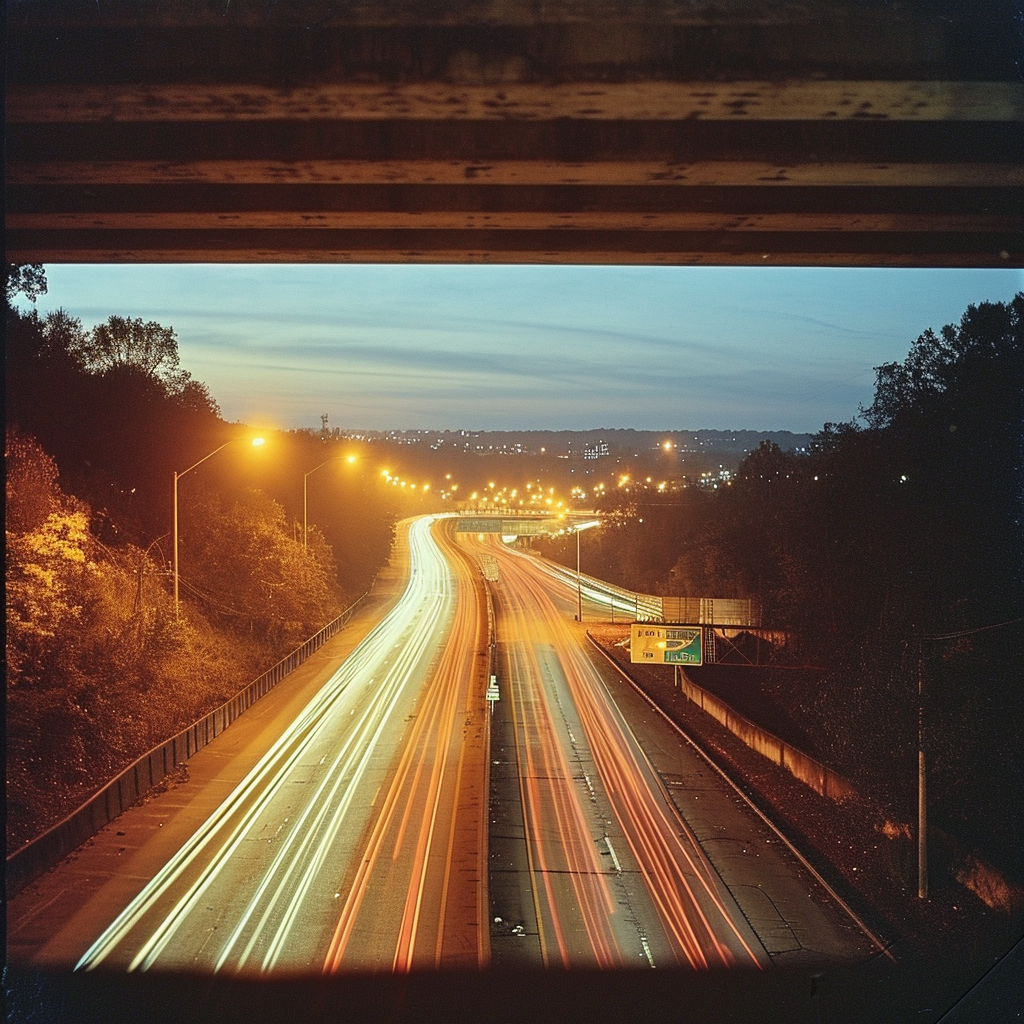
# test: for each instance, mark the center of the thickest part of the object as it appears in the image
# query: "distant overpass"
(726, 613)
(515, 525)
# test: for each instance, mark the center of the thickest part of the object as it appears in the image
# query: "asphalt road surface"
(376, 812)
(622, 847)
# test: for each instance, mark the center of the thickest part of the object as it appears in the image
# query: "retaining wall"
(816, 775)
(804, 767)
(151, 769)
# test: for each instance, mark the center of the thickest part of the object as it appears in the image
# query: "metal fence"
(719, 611)
(126, 789)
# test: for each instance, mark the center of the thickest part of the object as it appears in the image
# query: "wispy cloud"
(534, 346)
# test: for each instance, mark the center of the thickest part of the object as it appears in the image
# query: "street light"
(305, 478)
(256, 442)
(579, 528)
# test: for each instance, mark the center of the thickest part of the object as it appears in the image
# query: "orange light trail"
(681, 882)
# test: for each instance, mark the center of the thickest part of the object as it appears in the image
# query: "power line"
(977, 629)
(205, 596)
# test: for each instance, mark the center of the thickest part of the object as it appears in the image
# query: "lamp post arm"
(333, 458)
(305, 491)
(177, 476)
(205, 457)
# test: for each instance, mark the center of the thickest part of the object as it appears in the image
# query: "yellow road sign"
(665, 645)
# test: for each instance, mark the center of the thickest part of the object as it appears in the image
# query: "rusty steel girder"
(757, 132)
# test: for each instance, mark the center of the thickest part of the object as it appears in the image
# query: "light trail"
(432, 819)
(694, 911)
(330, 754)
(358, 841)
(565, 852)
(641, 607)
(577, 916)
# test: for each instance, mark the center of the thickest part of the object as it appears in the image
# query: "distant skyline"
(532, 347)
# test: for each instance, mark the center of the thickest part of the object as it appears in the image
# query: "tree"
(125, 342)
(63, 337)
(28, 279)
(31, 482)
(245, 568)
(767, 462)
(98, 667)
(45, 581)
(989, 334)
(135, 355)
(192, 397)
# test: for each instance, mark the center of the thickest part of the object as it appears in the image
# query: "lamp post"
(305, 478)
(256, 442)
(579, 586)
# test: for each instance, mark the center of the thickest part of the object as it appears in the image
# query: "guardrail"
(126, 789)
(739, 613)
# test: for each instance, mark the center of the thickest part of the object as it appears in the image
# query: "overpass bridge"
(758, 132)
(523, 524)
(722, 613)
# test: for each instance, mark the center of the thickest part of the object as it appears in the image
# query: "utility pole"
(177, 607)
(922, 795)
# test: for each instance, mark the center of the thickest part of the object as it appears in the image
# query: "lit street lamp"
(305, 478)
(256, 442)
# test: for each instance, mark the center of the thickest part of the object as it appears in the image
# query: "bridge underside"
(584, 131)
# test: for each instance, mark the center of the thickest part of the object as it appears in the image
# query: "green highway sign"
(665, 645)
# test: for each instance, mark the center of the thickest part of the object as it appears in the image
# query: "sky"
(532, 347)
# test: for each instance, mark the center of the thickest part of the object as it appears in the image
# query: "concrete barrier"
(128, 788)
(804, 767)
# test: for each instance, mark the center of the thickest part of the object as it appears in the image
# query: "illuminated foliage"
(246, 568)
(98, 667)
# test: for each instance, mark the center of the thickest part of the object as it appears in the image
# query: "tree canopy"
(893, 547)
(123, 342)
(28, 279)
(987, 342)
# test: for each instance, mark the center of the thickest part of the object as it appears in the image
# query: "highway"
(378, 815)
(359, 836)
(617, 880)
(417, 899)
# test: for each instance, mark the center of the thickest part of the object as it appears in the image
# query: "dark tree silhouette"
(894, 546)
(28, 279)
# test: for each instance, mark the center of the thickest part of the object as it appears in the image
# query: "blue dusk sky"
(532, 347)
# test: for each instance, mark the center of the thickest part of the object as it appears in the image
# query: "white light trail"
(339, 732)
